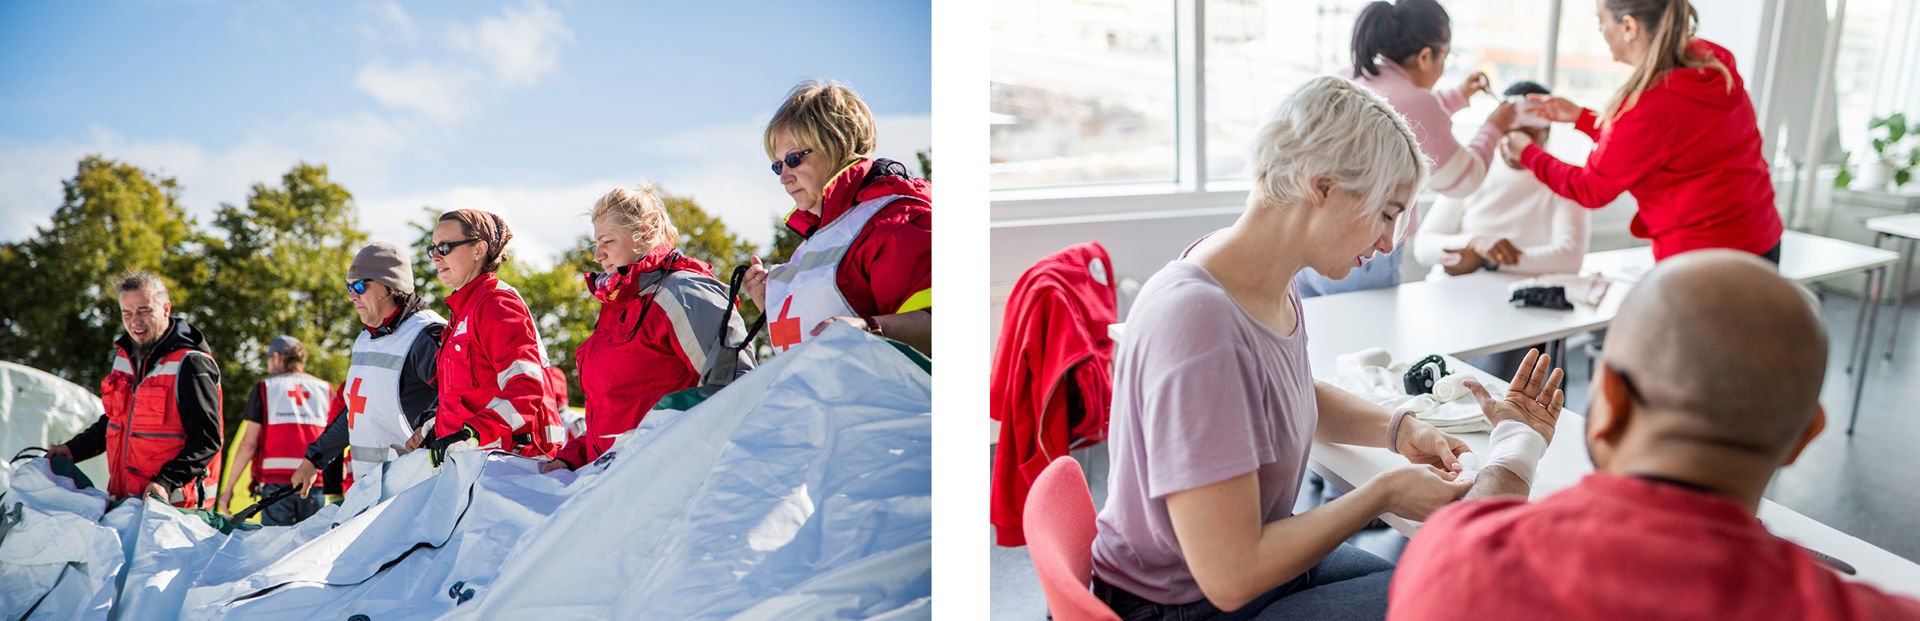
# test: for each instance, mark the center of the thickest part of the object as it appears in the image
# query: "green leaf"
(1844, 179)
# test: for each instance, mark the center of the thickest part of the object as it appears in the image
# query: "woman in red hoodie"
(1680, 135)
(661, 314)
(493, 383)
(867, 258)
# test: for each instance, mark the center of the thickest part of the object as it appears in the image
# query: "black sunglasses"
(359, 287)
(441, 249)
(792, 160)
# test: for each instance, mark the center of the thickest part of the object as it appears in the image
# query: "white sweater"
(1550, 230)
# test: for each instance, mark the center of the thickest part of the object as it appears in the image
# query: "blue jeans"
(1380, 272)
(1350, 583)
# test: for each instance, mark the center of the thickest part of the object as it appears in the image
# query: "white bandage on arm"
(1517, 448)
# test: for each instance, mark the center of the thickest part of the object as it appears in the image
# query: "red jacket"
(889, 268)
(644, 345)
(1052, 374)
(1689, 151)
(491, 376)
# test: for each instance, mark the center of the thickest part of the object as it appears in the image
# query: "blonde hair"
(641, 212)
(827, 117)
(1672, 24)
(1332, 128)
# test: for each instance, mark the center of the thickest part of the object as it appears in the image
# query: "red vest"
(144, 430)
(294, 412)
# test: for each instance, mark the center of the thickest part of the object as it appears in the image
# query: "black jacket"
(197, 391)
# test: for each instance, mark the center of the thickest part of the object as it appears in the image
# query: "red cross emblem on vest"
(785, 332)
(299, 395)
(355, 403)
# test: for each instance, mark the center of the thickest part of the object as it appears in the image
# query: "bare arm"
(1235, 558)
(915, 328)
(1348, 419)
(242, 458)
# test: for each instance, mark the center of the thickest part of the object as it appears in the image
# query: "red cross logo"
(785, 332)
(355, 403)
(299, 395)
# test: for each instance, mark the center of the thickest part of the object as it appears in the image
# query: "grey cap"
(281, 344)
(383, 263)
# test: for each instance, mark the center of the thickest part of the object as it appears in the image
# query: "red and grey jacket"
(162, 422)
(293, 414)
(658, 332)
(889, 268)
(1052, 374)
(492, 372)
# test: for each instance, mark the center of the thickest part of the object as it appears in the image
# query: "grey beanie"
(383, 263)
(281, 344)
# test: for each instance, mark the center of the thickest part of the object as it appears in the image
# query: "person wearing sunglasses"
(1710, 384)
(387, 402)
(662, 316)
(493, 372)
(1400, 50)
(1215, 407)
(867, 258)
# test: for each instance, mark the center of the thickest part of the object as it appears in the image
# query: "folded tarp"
(802, 490)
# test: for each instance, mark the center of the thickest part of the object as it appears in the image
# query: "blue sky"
(527, 107)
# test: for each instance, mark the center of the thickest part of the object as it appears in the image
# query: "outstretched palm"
(1534, 397)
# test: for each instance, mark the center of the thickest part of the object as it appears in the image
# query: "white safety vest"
(801, 293)
(377, 428)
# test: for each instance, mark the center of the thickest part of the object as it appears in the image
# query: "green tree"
(60, 311)
(281, 269)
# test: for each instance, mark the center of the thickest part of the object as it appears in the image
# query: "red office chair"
(1058, 522)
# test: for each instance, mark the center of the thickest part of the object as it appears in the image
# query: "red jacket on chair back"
(1052, 373)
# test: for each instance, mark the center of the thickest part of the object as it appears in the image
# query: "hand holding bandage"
(1524, 418)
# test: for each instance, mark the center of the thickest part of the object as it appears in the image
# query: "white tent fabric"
(801, 491)
(38, 408)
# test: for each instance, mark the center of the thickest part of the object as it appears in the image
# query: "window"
(1082, 92)
(1089, 96)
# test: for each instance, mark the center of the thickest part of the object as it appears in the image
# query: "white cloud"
(431, 90)
(494, 54)
(545, 221)
(30, 174)
(519, 46)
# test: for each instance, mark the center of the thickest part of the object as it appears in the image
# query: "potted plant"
(1888, 135)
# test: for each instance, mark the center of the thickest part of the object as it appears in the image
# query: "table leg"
(1872, 301)
(1900, 294)
(1860, 318)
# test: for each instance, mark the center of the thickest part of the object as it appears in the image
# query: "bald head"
(1718, 339)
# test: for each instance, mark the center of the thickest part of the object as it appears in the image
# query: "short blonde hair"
(1335, 129)
(827, 117)
(640, 212)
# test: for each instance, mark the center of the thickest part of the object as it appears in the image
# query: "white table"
(1907, 228)
(1804, 259)
(1566, 462)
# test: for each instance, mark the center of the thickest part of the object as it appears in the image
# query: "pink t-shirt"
(1458, 169)
(1619, 547)
(1202, 393)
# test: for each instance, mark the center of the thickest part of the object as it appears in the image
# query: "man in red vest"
(285, 412)
(161, 429)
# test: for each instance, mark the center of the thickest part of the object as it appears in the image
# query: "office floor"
(1860, 484)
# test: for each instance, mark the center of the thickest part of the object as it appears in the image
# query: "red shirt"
(1619, 547)
(889, 268)
(1689, 151)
